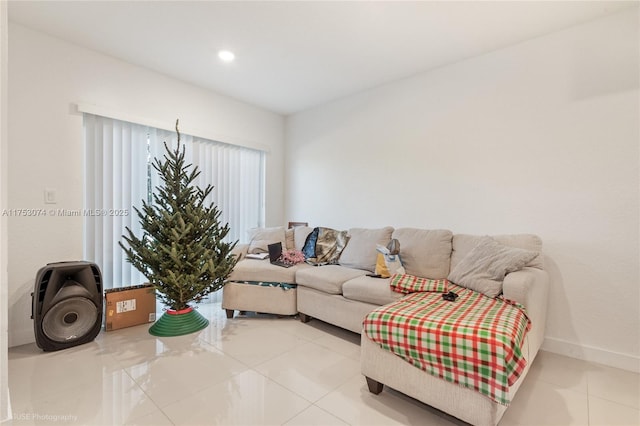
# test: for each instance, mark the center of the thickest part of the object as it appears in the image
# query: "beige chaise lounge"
(343, 295)
(528, 287)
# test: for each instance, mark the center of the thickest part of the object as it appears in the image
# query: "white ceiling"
(291, 56)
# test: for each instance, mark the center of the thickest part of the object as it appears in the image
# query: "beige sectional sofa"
(343, 294)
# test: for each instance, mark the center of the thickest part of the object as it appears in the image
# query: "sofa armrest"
(530, 288)
(240, 251)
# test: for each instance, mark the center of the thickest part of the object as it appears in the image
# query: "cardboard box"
(129, 306)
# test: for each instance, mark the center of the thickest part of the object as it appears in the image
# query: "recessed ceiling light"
(226, 55)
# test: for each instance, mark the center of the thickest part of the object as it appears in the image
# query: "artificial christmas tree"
(182, 251)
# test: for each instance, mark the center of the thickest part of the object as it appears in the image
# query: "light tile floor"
(263, 370)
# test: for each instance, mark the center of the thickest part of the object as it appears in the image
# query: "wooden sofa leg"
(304, 317)
(375, 387)
(229, 313)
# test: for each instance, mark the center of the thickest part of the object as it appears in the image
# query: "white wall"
(541, 137)
(4, 283)
(48, 76)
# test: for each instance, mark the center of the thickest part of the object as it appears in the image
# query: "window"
(119, 175)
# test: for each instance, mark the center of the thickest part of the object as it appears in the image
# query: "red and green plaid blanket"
(475, 341)
(405, 283)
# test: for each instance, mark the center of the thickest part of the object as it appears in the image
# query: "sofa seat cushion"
(263, 270)
(370, 290)
(328, 278)
(425, 253)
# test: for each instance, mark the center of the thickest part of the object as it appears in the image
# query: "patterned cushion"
(309, 248)
(329, 246)
(388, 264)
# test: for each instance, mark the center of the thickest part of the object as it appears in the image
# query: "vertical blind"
(118, 176)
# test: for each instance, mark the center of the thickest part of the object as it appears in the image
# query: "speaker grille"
(70, 319)
(67, 304)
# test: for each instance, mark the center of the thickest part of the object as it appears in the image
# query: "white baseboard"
(21, 337)
(9, 414)
(592, 354)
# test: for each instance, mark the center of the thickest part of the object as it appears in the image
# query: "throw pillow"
(260, 238)
(387, 263)
(329, 245)
(309, 248)
(381, 267)
(404, 283)
(483, 269)
(464, 243)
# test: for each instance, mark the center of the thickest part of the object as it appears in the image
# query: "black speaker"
(67, 304)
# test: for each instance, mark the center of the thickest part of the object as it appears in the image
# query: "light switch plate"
(50, 196)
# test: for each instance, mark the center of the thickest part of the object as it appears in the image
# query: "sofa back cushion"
(289, 236)
(464, 243)
(425, 253)
(300, 234)
(360, 252)
(260, 238)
